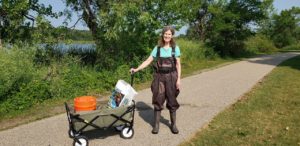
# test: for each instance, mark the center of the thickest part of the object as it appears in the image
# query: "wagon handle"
(132, 77)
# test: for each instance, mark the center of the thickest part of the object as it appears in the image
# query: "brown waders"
(164, 88)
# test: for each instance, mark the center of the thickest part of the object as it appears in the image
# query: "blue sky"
(58, 5)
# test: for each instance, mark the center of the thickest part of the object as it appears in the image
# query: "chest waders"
(163, 88)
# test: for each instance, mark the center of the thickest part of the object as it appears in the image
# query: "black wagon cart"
(102, 119)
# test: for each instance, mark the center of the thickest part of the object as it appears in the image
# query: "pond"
(63, 47)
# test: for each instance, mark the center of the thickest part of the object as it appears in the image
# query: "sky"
(58, 5)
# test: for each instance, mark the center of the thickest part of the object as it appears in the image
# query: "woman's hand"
(178, 84)
(133, 70)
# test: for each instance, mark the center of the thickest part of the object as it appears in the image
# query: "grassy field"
(267, 115)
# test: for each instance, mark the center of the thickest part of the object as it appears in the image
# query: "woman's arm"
(143, 65)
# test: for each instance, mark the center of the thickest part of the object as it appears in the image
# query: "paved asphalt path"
(202, 97)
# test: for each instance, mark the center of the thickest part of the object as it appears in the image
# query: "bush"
(16, 69)
(292, 47)
(30, 94)
(21, 83)
(260, 44)
(194, 51)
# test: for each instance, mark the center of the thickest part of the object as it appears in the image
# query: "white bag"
(127, 90)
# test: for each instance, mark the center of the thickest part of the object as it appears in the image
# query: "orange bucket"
(85, 103)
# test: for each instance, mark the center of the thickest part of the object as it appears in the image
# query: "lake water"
(62, 47)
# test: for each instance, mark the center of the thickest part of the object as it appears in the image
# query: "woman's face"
(168, 36)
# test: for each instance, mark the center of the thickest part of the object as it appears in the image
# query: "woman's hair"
(161, 41)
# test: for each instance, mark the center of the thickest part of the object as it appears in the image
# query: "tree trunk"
(91, 21)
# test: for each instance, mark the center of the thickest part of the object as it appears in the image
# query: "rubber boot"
(156, 122)
(173, 123)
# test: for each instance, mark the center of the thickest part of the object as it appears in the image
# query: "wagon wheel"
(72, 134)
(127, 133)
(80, 141)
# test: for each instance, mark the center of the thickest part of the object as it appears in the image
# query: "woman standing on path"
(166, 82)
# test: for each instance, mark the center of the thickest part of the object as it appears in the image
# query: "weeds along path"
(202, 97)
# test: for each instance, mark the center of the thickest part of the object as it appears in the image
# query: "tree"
(225, 24)
(285, 30)
(265, 25)
(199, 19)
(124, 27)
(17, 20)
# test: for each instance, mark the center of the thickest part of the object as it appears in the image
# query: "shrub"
(192, 51)
(292, 47)
(21, 83)
(16, 69)
(34, 92)
(260, 43)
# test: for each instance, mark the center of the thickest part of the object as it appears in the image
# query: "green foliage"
(128, 29)
(199, 19)
(21, 84)
(285, 30)
(44, 32)
(259, 43)
(193, 51)
(27, 78)
(230, 25)
(78, 35)
(225, 25)
(34, 92)
(15, 70)
(16, 18)
(264, 26)
(293, 47)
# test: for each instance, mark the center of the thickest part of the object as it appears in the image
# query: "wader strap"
(160, 61)
(158, 54)
(173, 54)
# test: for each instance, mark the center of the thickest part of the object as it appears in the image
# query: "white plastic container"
(127, 90)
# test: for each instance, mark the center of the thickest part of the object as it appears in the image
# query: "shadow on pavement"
(100, 134)
(146, 113)
(269, 60)
(292, 63)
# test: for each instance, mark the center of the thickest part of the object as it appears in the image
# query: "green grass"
(267, 115)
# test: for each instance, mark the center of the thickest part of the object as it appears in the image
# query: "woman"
(166, 82)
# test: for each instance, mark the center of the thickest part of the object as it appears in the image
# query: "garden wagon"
(120, 118)
(101, 119)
